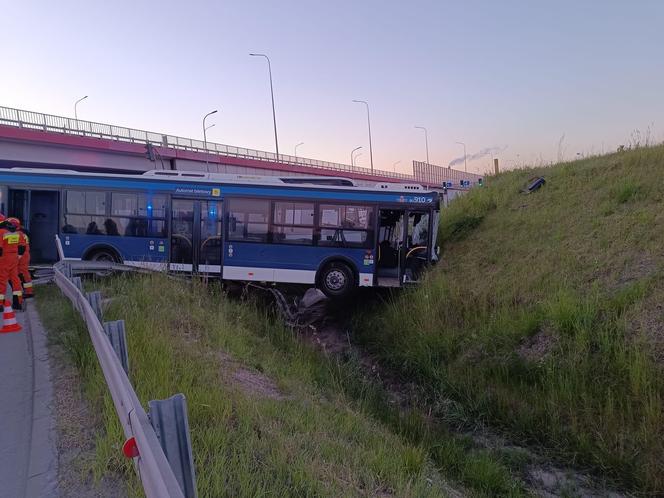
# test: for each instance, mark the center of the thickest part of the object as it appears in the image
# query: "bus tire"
(104, 254)
(336, 280)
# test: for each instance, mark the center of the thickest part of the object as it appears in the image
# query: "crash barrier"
(158, 442)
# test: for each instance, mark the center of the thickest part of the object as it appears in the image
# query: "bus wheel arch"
(102, 252)
(337, 277)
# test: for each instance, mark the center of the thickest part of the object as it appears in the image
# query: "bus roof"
(322, 182)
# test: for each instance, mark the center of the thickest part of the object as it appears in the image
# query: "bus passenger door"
(391, 239)
(209, 242)
(403, 246)
(183, 225)
(38, 211)
(417, 245)
(196, 236)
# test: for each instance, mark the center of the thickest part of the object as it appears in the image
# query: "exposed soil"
(251, 382)
(76, 435)
(641, 266)
(538, 347)
(541, 476)
(648, 325)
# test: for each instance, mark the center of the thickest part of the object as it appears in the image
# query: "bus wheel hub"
(335, 280)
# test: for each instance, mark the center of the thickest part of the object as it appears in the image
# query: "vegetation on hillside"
(269, 414)
(545, 317)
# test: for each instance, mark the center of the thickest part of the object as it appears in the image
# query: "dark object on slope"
(309, 309)
(534, 184)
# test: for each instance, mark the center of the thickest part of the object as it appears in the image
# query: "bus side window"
(346, 226)
(251, 219)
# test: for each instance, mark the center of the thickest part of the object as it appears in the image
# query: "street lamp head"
(209, 114)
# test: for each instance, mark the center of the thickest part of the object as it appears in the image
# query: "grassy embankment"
(269, 415)
(545, 316)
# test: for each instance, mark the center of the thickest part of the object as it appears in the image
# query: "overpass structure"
(35, 139)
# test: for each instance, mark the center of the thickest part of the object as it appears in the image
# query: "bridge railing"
(61, 124)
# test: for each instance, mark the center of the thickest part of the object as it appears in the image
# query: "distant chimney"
(495, 165)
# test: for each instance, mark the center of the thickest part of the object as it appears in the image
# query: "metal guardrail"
(152, 466)
(60, 124)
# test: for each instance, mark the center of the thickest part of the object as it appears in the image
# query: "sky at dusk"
(505, 77)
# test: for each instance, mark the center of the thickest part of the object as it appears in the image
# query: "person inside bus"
(111, 227)
(93, 229)
(142, 228)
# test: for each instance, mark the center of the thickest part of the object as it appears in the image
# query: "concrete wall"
(57, 155)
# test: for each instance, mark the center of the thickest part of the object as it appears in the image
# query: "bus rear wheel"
(104, 255)
(336, 280)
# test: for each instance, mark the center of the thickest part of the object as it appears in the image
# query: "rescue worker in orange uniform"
(9, 263)
(23, 258)
(3, 281)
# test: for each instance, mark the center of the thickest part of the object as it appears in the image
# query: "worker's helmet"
(14, 221)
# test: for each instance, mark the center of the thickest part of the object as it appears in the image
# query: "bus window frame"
(64, 191)
(372, 227)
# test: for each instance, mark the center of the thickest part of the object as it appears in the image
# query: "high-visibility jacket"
(3, 281)
(24, 262)
(9, 249)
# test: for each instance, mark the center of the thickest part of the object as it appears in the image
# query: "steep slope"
(545, 315)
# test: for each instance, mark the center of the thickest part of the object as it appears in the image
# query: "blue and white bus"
(322, 231)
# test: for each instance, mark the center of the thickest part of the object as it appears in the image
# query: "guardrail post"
(117, 336)
(66, 270)
(169, 420)
(77, 282)
(94, 298)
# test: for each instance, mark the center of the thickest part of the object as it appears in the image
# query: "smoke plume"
(487, 151)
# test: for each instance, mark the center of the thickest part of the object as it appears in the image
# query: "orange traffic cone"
(9, 319)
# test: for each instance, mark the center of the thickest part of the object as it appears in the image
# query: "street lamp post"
(301, 143)
(369, 125)
(76, 110)
(205, 136)
(352, 161)
(394, 167)
(465, 156)
(356, 156)
(274, 115)
(426, 140)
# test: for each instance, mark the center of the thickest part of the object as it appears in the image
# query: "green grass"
(576, 268)
(332, 433)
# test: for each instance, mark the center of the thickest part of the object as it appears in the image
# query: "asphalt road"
(28, 454)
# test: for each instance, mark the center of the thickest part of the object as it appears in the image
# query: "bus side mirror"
(232, 223)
